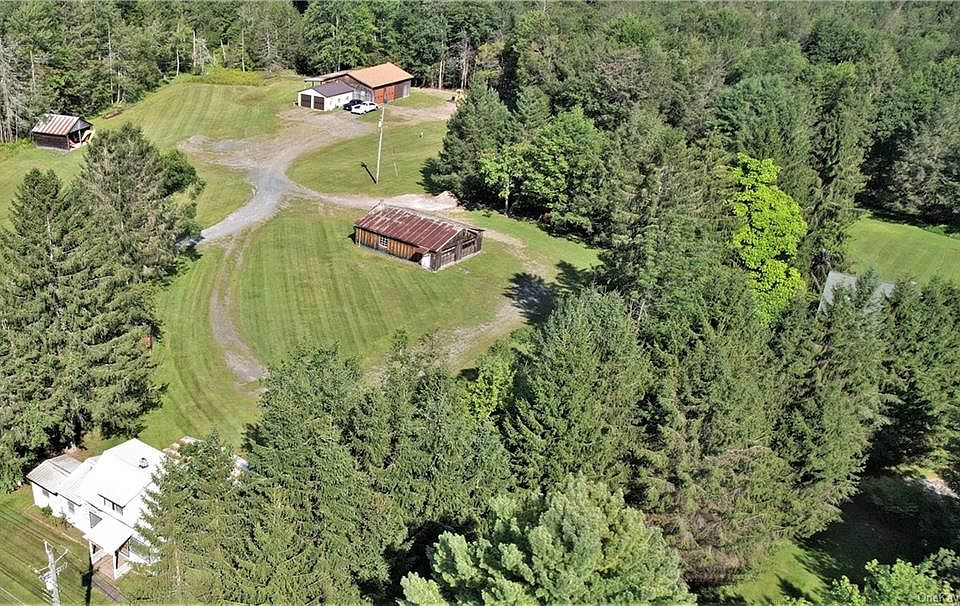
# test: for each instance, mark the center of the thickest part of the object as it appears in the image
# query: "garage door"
(318, 103)
(304, 100)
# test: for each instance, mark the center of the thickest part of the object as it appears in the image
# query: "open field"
(303, 281)
(168, 116)
(339, 168)
(901, 252)
(183, 109)
(21, 550)
(200, 391)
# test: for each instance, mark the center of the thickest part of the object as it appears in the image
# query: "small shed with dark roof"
(61, 132)
(326, 96)
(432, 242)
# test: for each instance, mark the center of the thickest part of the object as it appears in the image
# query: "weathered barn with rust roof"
(61, 132)
(433, 242)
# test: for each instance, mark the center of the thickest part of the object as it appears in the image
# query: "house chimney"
(143, 463)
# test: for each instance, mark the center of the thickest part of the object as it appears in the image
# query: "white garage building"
(327, 96)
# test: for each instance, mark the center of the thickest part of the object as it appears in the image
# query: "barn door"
(318, 103)
(304, 100)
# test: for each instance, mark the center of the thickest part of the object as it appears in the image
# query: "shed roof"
(59, 124)
(51, 473)
(837, 279)
(380, 75)
(332, 89)
(425, 231)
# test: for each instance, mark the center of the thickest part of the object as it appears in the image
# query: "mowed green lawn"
(17, 160)
(184, 108)
(168, 116)
(24, 528)
(200, 391)
(304, 282)
(902, 252)
(339, 168)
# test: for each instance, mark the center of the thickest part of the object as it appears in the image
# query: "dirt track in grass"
(265, 160)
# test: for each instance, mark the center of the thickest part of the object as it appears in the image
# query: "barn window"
(382, 241)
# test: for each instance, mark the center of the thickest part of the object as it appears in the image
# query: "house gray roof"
(52, 472)
(837, 279)
(332, 89)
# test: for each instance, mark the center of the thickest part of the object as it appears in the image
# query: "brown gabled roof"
(379, 75)
(424, 231)
(58, 124)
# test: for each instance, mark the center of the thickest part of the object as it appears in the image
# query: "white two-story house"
(103, 497)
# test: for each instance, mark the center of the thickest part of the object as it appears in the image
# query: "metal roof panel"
(412, 227)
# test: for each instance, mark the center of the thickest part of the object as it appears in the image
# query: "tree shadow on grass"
(572, 279)
(532, 295)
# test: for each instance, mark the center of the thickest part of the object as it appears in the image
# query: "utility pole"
(49, 575)
(383, 115)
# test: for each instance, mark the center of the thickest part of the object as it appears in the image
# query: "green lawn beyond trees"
(903, 252)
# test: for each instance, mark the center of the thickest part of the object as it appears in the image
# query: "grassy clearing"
(200, 391)
(184, 109)
(21, 550)
(226, 190)
(17, 160)
(339, 167)
(901, 252)
(423, 99)
(170, 115)
(303, 281)
(805, 568)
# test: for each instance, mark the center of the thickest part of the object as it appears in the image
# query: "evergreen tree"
(533, 110)
(72, 325)
(843, 113)
(189, 523)
(706, 470)
(297, 449)
(482, 124)
(829, 368)
(577, 544)
(129, 184)
(575, 394)
(920, 381)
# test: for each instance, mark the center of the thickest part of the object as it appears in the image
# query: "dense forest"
(684, 405)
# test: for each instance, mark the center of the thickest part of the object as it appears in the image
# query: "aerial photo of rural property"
(429, 302)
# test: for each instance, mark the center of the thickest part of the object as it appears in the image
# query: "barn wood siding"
(466, 244)
(51, 141)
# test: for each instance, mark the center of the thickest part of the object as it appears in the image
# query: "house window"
(45, 493)
(71, 507)
(94, 520)
(382, 241)
(108, 503)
